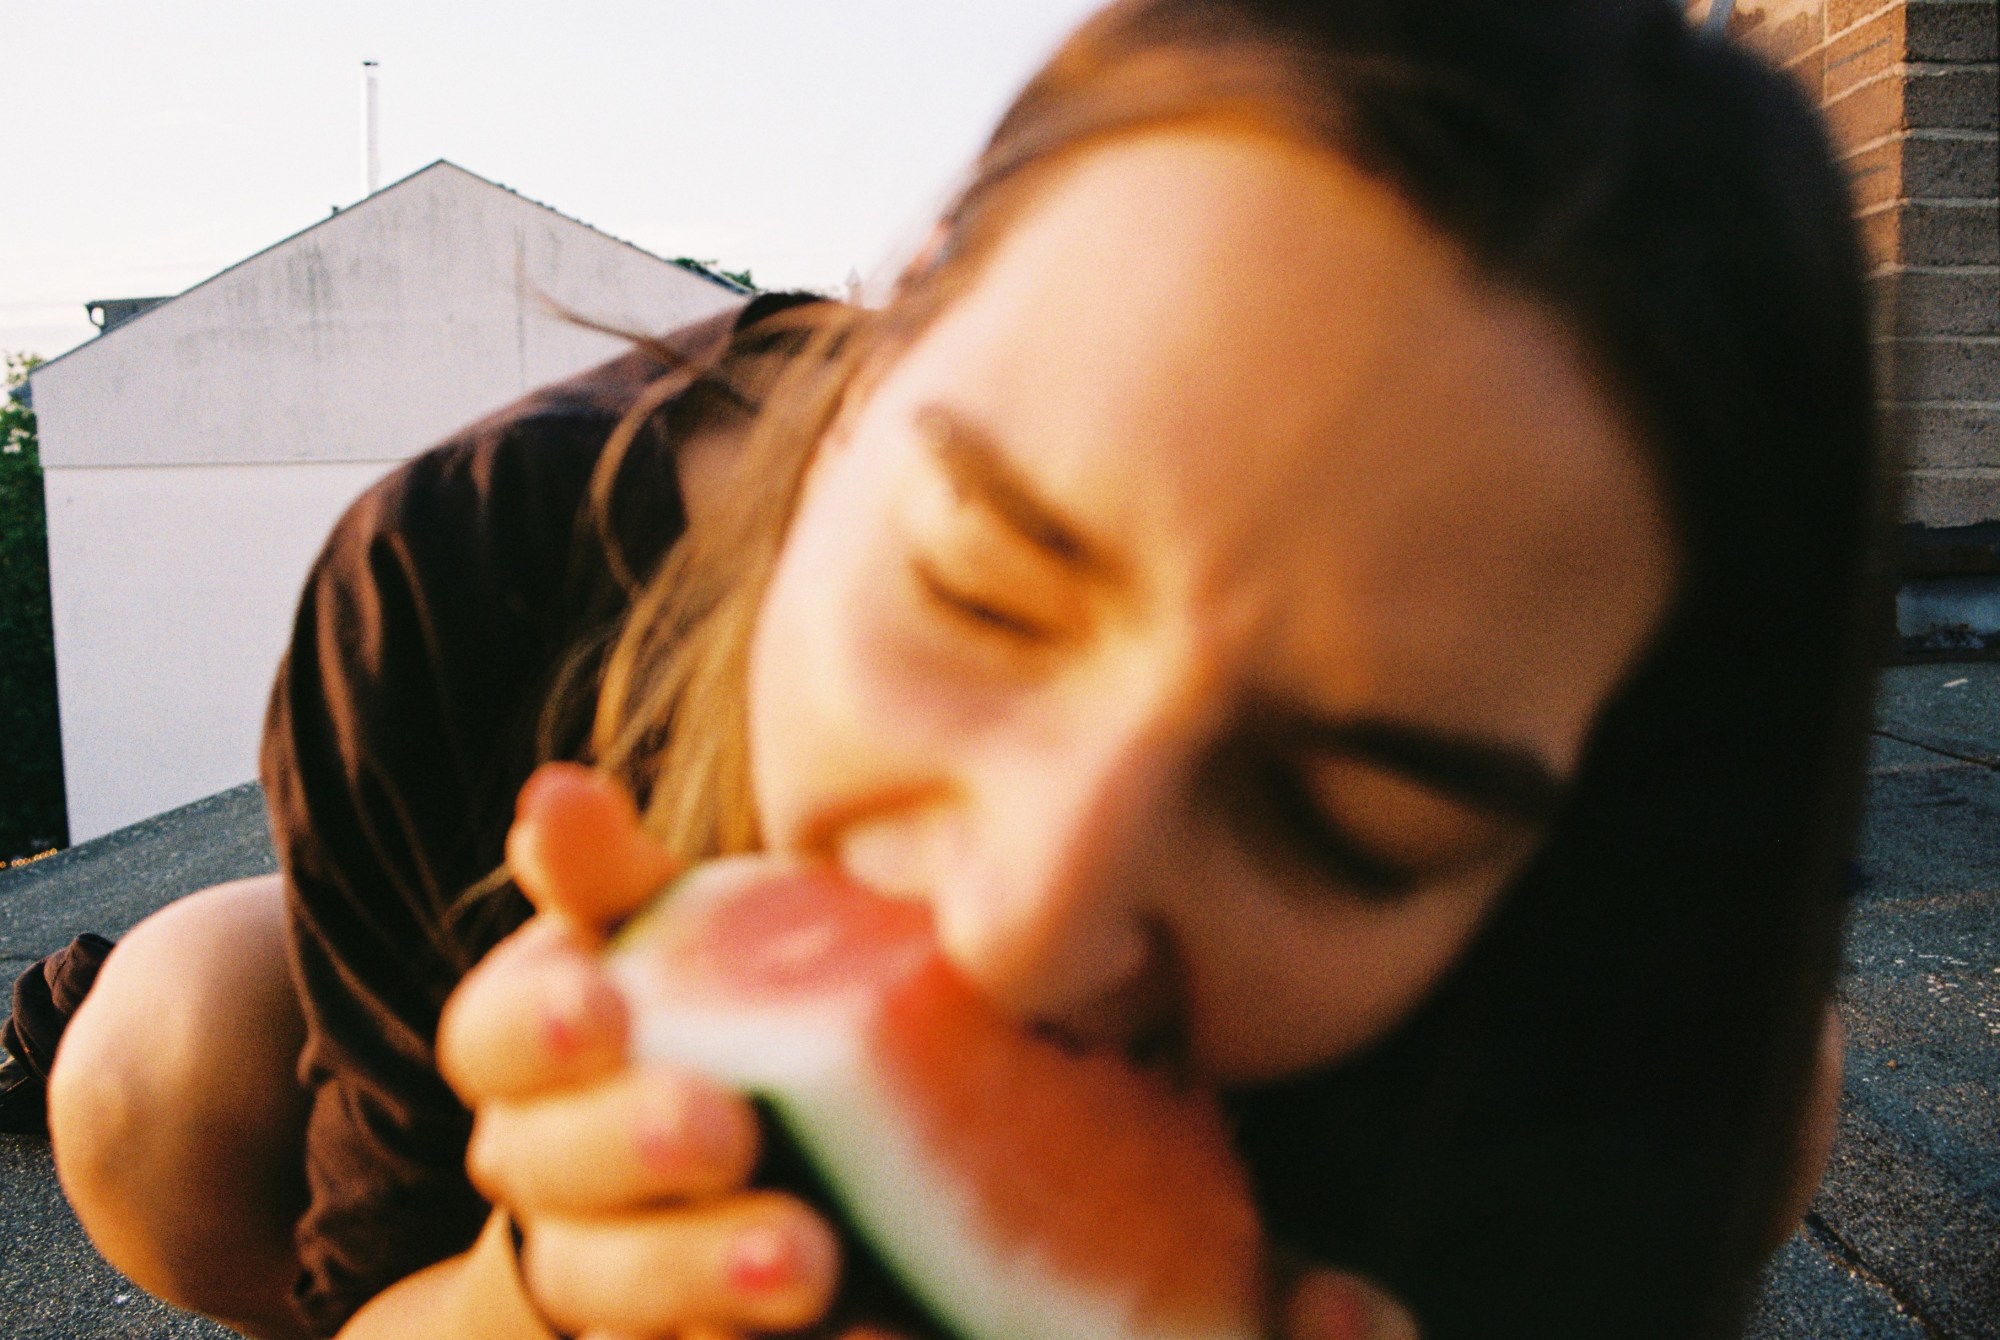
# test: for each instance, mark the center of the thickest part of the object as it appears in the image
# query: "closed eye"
(975, 609)
(1327, 845)
(1408, 822)
(1272, 806)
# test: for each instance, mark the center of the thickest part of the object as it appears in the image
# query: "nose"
(1061, 906)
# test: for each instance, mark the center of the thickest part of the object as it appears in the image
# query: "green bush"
(32, 817)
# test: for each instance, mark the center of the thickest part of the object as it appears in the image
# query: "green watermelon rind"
(811, 1068)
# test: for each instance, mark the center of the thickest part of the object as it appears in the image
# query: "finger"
(759, 1261)
(576, 847)
(538, 1013)
(651, 1134)
(1329, 1306)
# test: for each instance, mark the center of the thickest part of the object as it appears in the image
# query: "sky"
(146, 145)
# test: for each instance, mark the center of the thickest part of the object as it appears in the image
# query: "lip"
(885, 858)
(910, 851)
(911, 843)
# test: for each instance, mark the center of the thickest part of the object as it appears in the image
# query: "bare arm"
(1816, 1129)
(476, 1293)
(630, 1178)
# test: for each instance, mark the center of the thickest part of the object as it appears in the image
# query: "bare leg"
(177, 1119)
(1816, 1130)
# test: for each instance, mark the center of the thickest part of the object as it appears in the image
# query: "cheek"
(858, 698)
(803, 722)
(1293, 979)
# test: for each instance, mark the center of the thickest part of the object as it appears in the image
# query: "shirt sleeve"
(401, 725)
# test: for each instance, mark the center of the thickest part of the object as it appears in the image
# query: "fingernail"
(1387, 1318)
(546, 779)
(570, 1003)
(1329, 1307)
(1344, 1307)
(687, 1131)
(772, 1258)
(762, 1259)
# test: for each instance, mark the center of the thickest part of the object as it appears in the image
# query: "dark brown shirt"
(402, 724)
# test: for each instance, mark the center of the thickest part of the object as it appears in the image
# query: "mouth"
(887, 859)
(1161, 1047)
(1144, 1019)
(899, 857)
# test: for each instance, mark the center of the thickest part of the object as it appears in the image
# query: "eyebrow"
(981, 473)
(1506, 780)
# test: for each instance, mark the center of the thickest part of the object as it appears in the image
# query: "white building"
(196, 454)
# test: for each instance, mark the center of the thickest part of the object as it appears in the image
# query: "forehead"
(1278, 392)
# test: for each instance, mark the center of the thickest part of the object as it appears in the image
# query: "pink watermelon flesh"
(1021, 1191)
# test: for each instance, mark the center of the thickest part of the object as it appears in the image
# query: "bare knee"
(175, 1117)
(1820, 1116)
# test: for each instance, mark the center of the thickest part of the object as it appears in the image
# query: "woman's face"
(1206, 614)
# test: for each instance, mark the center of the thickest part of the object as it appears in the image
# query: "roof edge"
(692, 267)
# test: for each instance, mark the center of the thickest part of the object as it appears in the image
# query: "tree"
(32, 815)
(713, 269)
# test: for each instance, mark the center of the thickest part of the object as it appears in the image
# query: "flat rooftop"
(1903, 1241)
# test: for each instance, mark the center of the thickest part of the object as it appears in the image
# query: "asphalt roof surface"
(1903, 1241)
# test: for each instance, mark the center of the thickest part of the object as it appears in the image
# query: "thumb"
(576, 848)
(1329, 1306)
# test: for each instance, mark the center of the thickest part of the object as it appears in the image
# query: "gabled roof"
(440, 165)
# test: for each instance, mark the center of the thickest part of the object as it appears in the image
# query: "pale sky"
(148, 145)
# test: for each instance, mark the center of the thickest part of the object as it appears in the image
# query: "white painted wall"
(177, 589)
(195, 457)
(367, 337)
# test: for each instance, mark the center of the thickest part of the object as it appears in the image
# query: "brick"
(1951, 497)
(1932, 232)
(1937, 302)
(1926, 97)
(1789, 36)
(1779, 29)
(1875, 176)
(1867, 112)
(1950, 165)
(1950, 233)
(1952, 30)
(1864, 51)
(1946, 97)
(1809, 71)
(1957, 367)
(1945, 436)
(1881, 232)
(1844, 14)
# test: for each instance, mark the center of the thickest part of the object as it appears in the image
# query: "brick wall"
(1908, 89)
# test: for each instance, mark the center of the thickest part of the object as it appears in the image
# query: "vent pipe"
(370, 118)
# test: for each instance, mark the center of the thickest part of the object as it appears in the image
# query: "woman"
(1340, 569)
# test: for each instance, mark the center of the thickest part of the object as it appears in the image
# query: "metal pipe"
(371, 111)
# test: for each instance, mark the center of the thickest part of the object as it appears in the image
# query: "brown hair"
(1586, 1129)
(670, 704)
(669, 699)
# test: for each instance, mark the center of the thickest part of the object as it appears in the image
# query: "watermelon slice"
(1016, 1189)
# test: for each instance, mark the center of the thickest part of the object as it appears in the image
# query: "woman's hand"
(626, 1178)
(1327, 1305)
